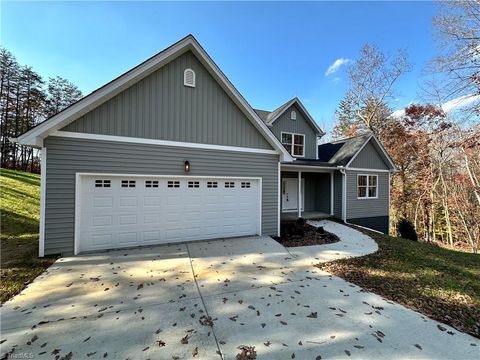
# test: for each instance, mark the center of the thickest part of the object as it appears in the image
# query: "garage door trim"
(78, 194)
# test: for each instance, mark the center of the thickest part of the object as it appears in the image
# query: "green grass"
(440, 283)
(20, 211)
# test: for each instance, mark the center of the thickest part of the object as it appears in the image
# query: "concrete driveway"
(160, 302)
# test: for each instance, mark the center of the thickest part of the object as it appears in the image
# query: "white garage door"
(122, 211)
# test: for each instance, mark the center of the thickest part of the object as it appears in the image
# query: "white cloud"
(336, 80)
(459, 102)
(336, 65)
(448, 106)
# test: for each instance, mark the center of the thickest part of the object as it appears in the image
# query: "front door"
(290, 194)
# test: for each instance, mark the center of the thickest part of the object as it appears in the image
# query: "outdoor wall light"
(186, 165)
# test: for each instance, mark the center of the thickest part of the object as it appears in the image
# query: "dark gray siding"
(361, 208)
(379, 223)
(337, 194)
(65, 157)
(299, 126)
(368, 158)
(161, 107)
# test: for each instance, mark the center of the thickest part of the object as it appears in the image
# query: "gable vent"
(293, 115)
(189, 78)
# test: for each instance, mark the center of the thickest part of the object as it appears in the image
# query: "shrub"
(301, 221)
(407, 230)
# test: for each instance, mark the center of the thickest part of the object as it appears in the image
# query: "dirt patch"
(299, 233)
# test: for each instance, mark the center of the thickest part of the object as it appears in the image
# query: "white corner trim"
(43, 199)
(135, 140)
(78, 197)
(331, 193)
(344, 195)
(260, 210)
(279, 185)
(89, 102)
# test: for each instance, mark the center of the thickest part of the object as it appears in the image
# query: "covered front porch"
(306, 192)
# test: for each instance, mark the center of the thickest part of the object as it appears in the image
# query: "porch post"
(299, 194)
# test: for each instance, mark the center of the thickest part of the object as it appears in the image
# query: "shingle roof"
(342, 151)
(266, 116)
(262, 114)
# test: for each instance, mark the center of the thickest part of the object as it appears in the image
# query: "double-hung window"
(294, 143)
(367, 186)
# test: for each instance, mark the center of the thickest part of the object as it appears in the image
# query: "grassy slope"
(440, 283)
(19, 206)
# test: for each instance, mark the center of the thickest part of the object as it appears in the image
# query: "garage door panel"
(147, 210)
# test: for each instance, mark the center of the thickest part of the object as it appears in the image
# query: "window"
(367, 186)
(173, 184)
(128, 183)
(245, 185)
(212, 184)
(102, 183)
(193, 184)
(294, 143)
(229, 184)
(189, 78)
(151, 183)
(293, 115)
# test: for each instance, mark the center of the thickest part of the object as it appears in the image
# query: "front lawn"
(440, 283)
(19, 208)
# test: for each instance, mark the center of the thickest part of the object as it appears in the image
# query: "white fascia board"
(305, 112)
(35, 136)
(135, 140)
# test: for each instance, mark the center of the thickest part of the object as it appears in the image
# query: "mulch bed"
(299, 233)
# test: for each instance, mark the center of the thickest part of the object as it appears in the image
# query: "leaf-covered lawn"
(20, 211)
(440, 283)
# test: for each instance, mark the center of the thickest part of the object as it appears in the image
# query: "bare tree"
(458, 32)
(372, 87)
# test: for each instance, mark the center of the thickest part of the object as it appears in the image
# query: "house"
(170, 151)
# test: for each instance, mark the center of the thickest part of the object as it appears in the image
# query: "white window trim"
(185, 78)
(368, 180)
(293, 143)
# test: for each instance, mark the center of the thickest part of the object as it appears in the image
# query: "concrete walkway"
(159, 303)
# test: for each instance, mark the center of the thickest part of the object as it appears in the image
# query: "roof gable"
(344, 152)
(35, 136)
(161, 107)
(270, 117)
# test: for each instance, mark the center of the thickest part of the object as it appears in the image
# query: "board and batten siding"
(66, 157)
(369, 158)
(298, 126)
(161, 107)
(361, 208)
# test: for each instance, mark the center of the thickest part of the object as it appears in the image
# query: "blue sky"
(271, 51)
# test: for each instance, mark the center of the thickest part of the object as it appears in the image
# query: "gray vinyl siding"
(337, 194)
(299, 126)
(161, 107)
(65, 157)
(361, 208)
(317, 192)
(369, 158)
